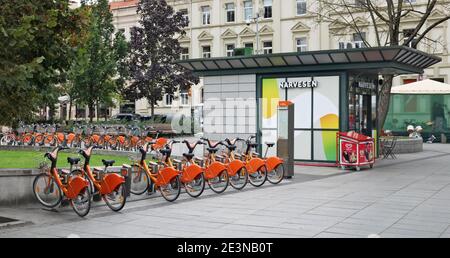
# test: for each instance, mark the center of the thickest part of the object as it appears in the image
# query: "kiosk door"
(360, 114)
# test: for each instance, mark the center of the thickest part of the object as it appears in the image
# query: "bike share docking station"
(285, 135)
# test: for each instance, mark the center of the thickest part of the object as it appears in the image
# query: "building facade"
(216, 27)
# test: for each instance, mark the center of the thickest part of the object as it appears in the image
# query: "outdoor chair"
(388, 148)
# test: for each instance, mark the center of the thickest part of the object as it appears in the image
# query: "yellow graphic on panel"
(270, 96)
(329, 137)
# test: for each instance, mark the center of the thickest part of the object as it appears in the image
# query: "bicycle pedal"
(96, 197)
(65, 203)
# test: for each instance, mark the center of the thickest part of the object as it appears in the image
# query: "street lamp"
(249, 21)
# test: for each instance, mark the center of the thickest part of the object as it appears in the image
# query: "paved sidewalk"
(407, 197)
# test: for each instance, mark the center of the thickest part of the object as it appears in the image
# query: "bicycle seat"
(270, 144)
(212, 150)
(165, 152)
(253, 145)
(65, 171)
(73, 161)
(108, 163)
(231, 147)
(188, 156)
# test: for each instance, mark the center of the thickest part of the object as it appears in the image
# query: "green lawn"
(32, 159)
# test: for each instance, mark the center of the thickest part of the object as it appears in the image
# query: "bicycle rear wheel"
(172, 190)
(116, 199)
(46, 191)
(219, 183)
(196, 187)
(258, 178)
(240, 179)
(276, 175)
(82, 203)
(140, 181)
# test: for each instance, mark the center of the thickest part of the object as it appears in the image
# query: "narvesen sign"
(298, 84)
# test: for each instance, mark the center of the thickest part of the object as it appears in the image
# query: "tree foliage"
(153, 50)
(37, 42)
(97, 73)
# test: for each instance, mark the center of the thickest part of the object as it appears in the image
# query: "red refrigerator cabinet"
(354, 150)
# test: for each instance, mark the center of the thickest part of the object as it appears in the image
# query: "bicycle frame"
(106, 184)
(74, 186)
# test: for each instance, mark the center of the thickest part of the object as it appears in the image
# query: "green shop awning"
(386, 60)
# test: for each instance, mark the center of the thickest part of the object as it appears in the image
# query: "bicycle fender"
(235, 166)
(165, 175)
(214, 170)
(273, 162)
(254, 165)
(70, 137)
(191, 172)
(75, 186)
(110, 182)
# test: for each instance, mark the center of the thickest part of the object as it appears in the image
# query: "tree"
(154, 49)
(386, 18)
(36, 51)
(95, 73)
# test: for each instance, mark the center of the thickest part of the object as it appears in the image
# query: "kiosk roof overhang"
(382, 60)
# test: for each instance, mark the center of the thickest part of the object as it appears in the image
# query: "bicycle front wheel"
(116, 199)
(259, 177)
(276, 175)
(172, 190)
(82, 203)
(140, 181)
(240, 179)
(219, 183)
(46, 191)
(196, 187)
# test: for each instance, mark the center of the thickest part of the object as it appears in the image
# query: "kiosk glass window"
(316, 104)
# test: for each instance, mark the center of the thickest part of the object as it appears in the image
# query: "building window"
(185, 14)
(359, 40)
(302, 44)
(168, 99)
(267, 8)
(230, 12)
(206, 15)
(267, 47)
(406, 34)
(230, 49)
(206, 51)
(248, 10)
(184, 99)
(301, 7)
(249, 45)
(184, 53)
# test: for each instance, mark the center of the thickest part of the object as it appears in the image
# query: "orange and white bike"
(165, 179)
(51, 186)
(110, 186)
(216, 173)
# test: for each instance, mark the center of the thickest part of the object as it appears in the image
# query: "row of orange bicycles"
(128, 138)
(223, 164)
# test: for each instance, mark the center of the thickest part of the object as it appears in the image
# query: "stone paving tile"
(335, 235)
(330, 211)
(410, 233)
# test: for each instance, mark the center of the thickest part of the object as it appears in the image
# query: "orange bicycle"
(50, 186)
(216, 173)
(237, 170)
(191, 174)
(110, 186)
(256, 167)
(166, 179)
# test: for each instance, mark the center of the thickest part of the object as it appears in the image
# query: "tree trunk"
(91, 112)
(384, 96)
(152, 106)
(97, 109)
(70, 109)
